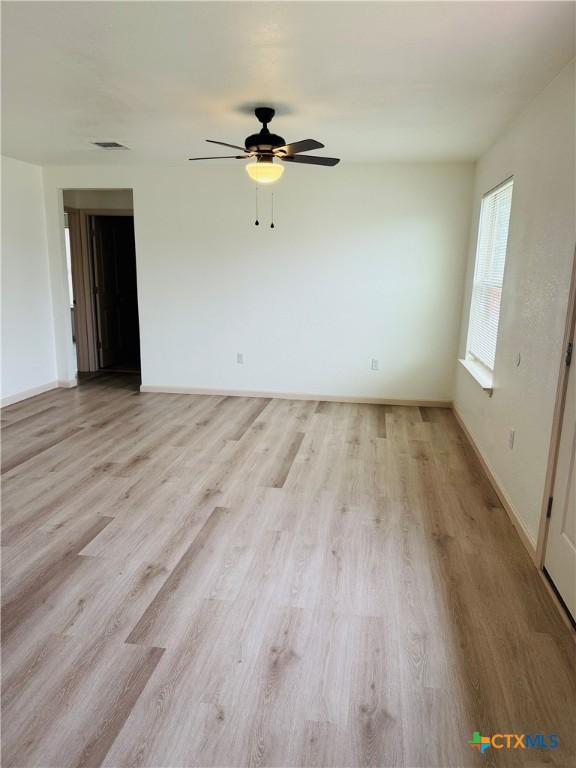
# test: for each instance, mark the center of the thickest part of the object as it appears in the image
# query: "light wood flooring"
(224, 581)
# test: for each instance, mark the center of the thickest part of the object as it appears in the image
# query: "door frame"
(561, 390)
(82, 260)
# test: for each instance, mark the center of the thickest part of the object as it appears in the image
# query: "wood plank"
(285, 465)
(36, 590)
(69, 702)
(176, 578)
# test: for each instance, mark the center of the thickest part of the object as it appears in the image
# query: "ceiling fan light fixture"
(264, 171)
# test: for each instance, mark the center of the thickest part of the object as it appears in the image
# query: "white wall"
(538, 149)
(99, 199)
(366, 261)
(28, 351)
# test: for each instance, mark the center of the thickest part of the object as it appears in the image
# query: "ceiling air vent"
(109, 145)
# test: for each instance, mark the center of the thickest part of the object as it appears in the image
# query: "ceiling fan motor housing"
(263, 141)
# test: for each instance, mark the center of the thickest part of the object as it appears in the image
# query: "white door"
(560, 558)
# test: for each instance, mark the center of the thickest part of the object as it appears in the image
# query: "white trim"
(525, 535)
(25, 394)
(170, 390)
(483, 375)
(35, 391)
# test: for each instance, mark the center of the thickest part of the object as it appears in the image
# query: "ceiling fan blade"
(222, 157)
(223, 144)
(299, 146)
(311, 159)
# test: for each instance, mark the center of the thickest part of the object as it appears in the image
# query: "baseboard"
(35, 391)
(525, 537)
(26, 393)
(168, 390)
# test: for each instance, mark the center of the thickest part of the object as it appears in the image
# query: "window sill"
(481, 374)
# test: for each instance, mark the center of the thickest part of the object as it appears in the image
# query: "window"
(489, 274)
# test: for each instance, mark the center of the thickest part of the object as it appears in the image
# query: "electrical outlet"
(511, 438)
(375, 365)
(240, 358)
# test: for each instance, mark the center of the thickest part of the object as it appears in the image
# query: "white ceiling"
(375, 80)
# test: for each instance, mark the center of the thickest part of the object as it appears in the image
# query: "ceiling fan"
(265, 147)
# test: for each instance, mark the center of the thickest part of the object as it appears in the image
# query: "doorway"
(101, 258)
(115, 297)
(557, 536)
(560, 558)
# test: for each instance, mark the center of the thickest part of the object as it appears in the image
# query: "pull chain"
(272, 214)
(256, 223)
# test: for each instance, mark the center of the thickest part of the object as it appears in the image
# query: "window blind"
(489, 274)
